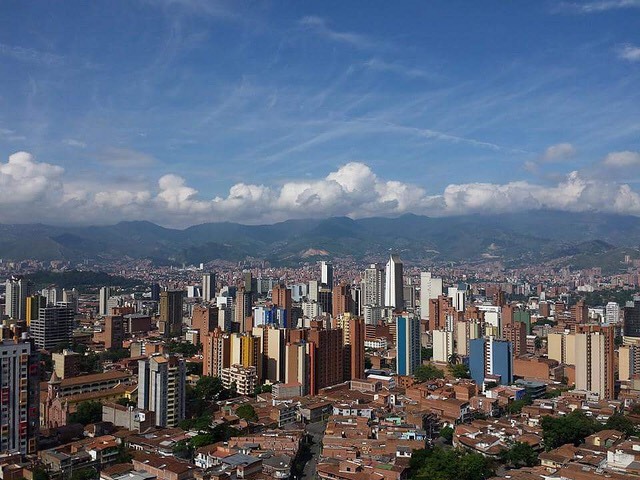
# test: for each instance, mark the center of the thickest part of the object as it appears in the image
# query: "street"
(316, 432)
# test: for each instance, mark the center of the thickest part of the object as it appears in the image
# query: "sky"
(188, 111)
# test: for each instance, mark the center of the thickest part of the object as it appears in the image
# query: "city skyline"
(181, 112)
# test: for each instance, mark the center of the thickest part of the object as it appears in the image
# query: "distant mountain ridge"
(522, 238)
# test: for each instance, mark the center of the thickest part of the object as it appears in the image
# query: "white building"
(244, 378)
(442, 345)
(430, 288)
(161, 388)
(612, 313)
(393, 291)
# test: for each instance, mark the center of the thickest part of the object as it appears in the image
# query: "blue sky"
(183, 111)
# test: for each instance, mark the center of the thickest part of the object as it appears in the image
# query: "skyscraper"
(53, 326)
(216, 352)
(105, 293)
(430, 288)
(373, 283)
(632, 318)
(208, 286)
(393, 292)
(341, 300)
(612, 313)
(17, 289)
(161, 387)
(170, 321)
(244, 302)
(281, 298)
(407, 344)
(19, 399)
(326, 277)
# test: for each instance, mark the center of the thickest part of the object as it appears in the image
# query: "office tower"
(53, 294)
(407, 344)
(243, 309)
(612, 313)
(325, 299)
(105, 294)
(204, 318)
(562, 347)
(326, 277)
(19, 401)
(516, 333)
(442, 345)
(273, 352)
(491, 360)
(225, 318)
(373, 283)
(466, 330)
(430, 289)
(312, 293)
(155, 292)
(250, 283)
(393, 290)
(170, 321)
(632, 318)
(17, 289)
(458, 296)
(281, 298)
(595, 358)
(208, 286)
(629, 359)
(113, 331)
(54, 326)
(161, 388)
(33, 305)
(325, 356)
(341, 301)
(216, 348)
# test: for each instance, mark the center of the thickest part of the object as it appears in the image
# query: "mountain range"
(578, 239)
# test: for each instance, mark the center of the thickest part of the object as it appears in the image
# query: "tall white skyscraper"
(430, 288)
(373, 283)
(393, 292)
(105, 293)
(326, 274)
(208, 286)
(17, 289)
(161, 386)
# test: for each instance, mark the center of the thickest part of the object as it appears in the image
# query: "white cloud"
(557, 152)
(598, 6)
(319, 26)
(29, 55)
(40, 192)
(629, 52)
(622, 159)
(72, 142)
(380, 65)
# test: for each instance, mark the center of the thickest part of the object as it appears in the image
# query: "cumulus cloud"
(629, 52)
(38, 191)
(557, 152)
(622, 159)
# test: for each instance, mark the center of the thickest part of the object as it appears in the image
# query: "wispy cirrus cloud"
(629, 52)
(320, 27)
(596, 6)
(379, 65)
(30, 55)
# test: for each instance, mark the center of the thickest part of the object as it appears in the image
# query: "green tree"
(427, 372)
(459, 370)
(537, 343)
(183, 449)
(449, 464)
(247, 412)
(447, 434)
(426, 353)
(84, 474)
(87, 412)
(39, 473)
(572, 428)
(519, 455)
(622, 424)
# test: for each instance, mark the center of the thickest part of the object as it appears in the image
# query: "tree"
(449, 464)
(519, 455)
(39, 473)
(182, 449)
(459, 370)
(426, 353)
(454, 359)
(87, 412)
(572, 428)
(537, 343)
(247, 412)
(84, 474)
(367, 363)
(515, 407)
(622, 424)
(427, 372)
(447, 434)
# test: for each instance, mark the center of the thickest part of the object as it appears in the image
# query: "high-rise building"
(216, 352)
(208, 286)
(70, 297)
(632, 318)
(595, 359)
(312, 292)
(281, 298)
(393, 292)
(561, 347)
(204, 318)
(430, 289)
(373, 283)
(353, 345)
(244, 304)
(492, 360)
(629, 359)
(105, 294)
(516, 333)
(297, 365)
(326, 274)
(161, 388)
(244, 379)
(53, 294)
(113, 331)
(442, 345)
(171, 305)
(341, 300)
(54, 326)
(34, 304)
(326, 357)
(155, 292)
(19, 398)
(407, 344)
(612, 313)
(17, 289)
